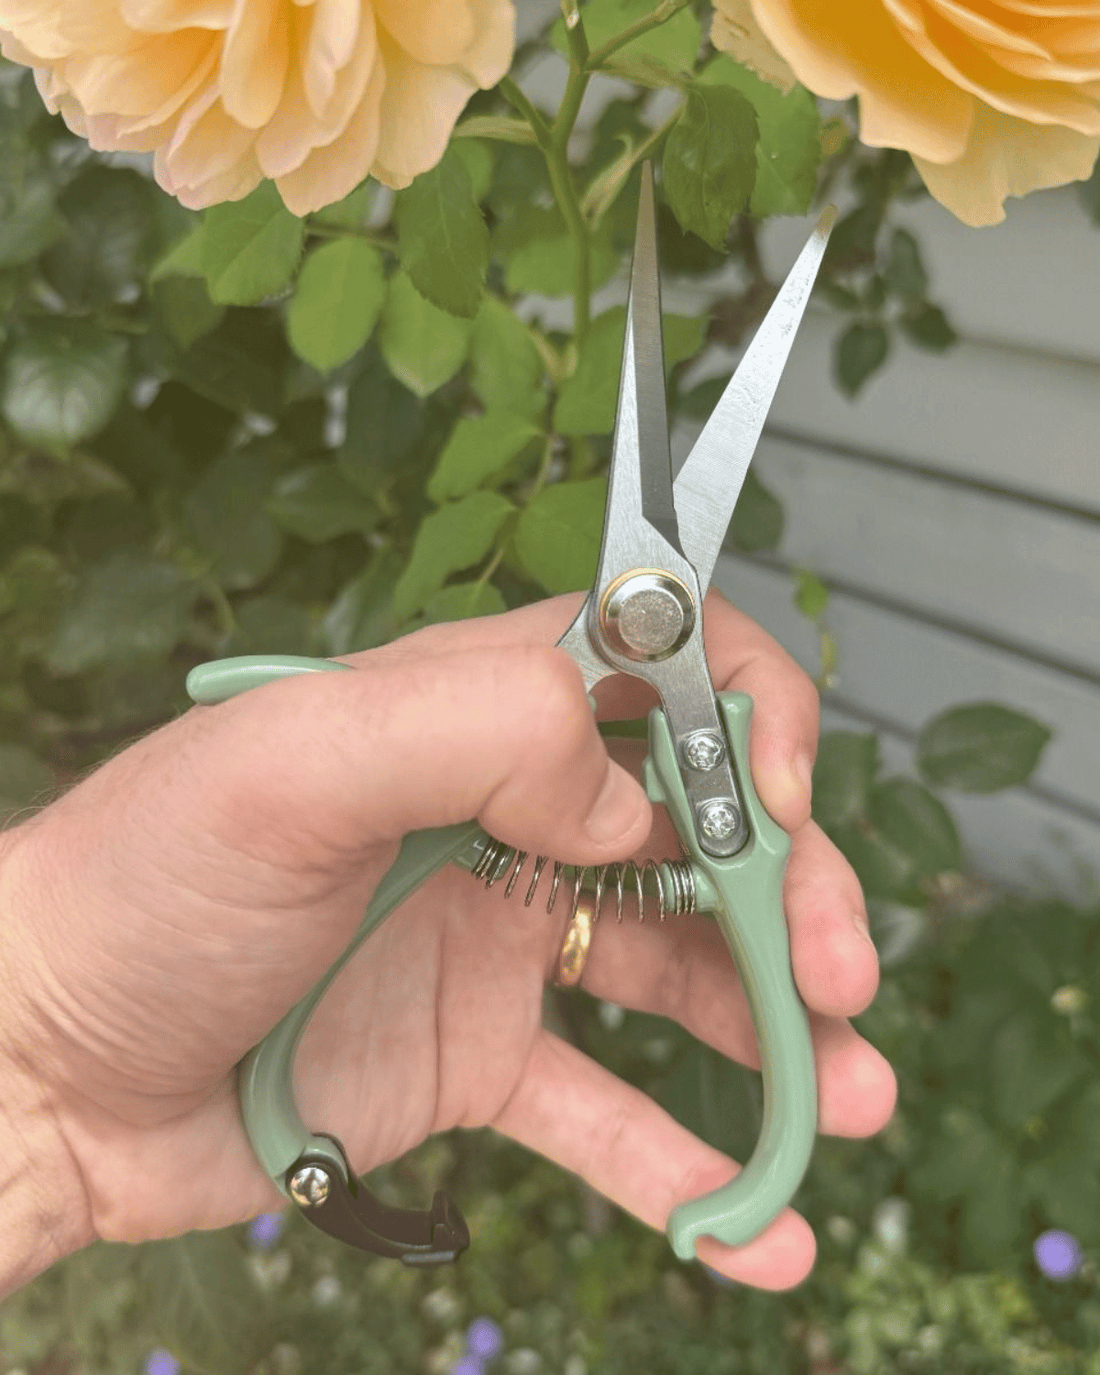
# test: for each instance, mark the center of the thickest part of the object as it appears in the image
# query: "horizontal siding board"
(1022, 422)
(905, 671)
(1032, 281)
(1025, 574)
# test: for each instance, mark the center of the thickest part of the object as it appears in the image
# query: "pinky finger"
(585, 1119)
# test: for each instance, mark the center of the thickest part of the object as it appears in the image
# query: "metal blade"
(640, 482)
(710, 481)
(640, 527)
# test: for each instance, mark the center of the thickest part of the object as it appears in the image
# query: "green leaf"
(788, 148)
(225, 511)
(185, 308)
(422, 345)
(46, 479)
(548, 267)
(1030, 1066)
(905, 275)
(351, 212)
(361, 615)
(929, 328)
(586, 401)
(558, 536)
(265, 622)
(860, 351)
(29, 225)
(35, 588)
(250, 248)
(336, 304)
(507, 370)
(811, 596)
(110, 235)
(443, 242)
(757, 522)
(61, 383)
(462, 601)
(674, 43)
(130, 607)
(477, 449)
(318, 503)
(918, 823)
(476, 156)
(384, 423)
(205, 1308)
(23, 779)
(454, 537)
(184, 258)
(843, 777)
(710, 161)
(980, 748)
(883, 868)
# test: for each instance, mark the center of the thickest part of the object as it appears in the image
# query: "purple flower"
(469, 1365)
(162, 1363)
(265, 1230)
(484, 1339)
(1058, 1255)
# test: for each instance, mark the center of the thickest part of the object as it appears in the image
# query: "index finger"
(742, 656)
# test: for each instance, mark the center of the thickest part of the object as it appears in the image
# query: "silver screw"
(703, 751)
(719, 819)
(309, 1186)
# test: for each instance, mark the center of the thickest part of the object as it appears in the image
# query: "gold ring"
(578, 938)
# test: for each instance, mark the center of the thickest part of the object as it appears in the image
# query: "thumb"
(328, 764)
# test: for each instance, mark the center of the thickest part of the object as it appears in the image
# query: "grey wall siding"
(954, 511)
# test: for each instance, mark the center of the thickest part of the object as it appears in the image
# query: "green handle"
(271, 1119)
(746, 893)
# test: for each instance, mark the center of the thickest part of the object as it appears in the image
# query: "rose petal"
(1007, 157)
(254, 61)
(435, 32)
(295, 129)
(328, 174)
(339, 30)
(419, 107)
(904, 103)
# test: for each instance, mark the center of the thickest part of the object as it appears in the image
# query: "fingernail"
(620, 803)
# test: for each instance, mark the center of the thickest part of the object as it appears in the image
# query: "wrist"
(43, 1206)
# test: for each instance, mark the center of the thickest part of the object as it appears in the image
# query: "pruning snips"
(643, 617)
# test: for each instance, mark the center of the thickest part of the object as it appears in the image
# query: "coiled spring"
(670, 883)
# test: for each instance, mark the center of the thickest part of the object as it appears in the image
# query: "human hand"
(165, 913)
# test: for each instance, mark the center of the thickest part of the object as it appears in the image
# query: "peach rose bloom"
(315, 94)
(992, 98)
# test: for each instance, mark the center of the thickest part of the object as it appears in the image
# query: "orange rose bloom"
(992, 98)
(315, 94)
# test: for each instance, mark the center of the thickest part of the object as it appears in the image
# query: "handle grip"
(746, 894)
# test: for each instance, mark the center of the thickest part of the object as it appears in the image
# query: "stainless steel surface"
(628, 625)
(703, 751)
(719, 824)
(309, 1186)
(710, 481)
(647, 616)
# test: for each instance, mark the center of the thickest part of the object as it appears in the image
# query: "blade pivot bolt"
(309, 1186)
(719, 823)
(647, 616)
(703, 750)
